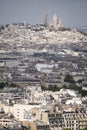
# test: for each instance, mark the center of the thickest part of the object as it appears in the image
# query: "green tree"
(64, 86)
(69, 78)
(80, 80)
(84, 128)
(66, 129)
(53, 88)
(73, 86)
(43, 88)
(2, 85)
(13, 85)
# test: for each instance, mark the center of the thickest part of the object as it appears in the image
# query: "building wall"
(82, 120)
(19, 110)
(54, 119)
(71, 121)
(45, 117)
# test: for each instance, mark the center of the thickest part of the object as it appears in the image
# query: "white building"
(19, 110)
(71, 120)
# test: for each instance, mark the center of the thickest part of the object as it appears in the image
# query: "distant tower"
(24, 23)
(55, 20)
(45, 19)
(60, 24)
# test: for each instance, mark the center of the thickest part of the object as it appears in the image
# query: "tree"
(84, 128)
(69, 78)
(2, 85)
(53, 88)
(64, 86)
(43, 88)
(66, 129)
(73, 86)
(13, 85)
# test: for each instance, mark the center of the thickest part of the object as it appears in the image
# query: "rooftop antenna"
(45, 19)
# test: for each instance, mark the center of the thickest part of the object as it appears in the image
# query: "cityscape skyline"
(43, 65)
(70, 12)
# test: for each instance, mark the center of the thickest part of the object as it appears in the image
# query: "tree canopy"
(69, 78)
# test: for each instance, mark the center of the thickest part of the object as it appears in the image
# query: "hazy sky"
(70, 12)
